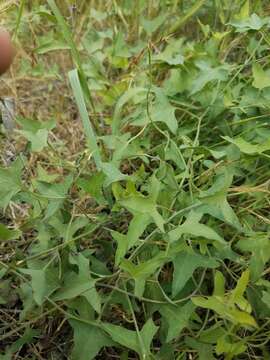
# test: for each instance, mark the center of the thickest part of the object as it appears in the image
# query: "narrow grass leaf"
(88, 129)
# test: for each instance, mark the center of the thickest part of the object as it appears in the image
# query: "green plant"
(149, 238)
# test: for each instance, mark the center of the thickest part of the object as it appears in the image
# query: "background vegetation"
(134, 194)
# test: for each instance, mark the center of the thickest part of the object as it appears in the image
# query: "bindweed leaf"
(88, 340)
(177, 318)
(184, 265)
(129, 338)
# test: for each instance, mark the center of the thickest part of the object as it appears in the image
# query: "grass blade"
(67, 35)
(177, 25)
(88, 129)
(19, 18)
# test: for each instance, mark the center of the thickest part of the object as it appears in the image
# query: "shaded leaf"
(43, 282)
(152, 25)
(214, 200)
(124, 242)
(88, 340)
(184, 265)
(139, 204)
(258, 245)
(79, 284)
(129, 338)
(8, 234)
(249, 148)
(205, 351)
(10, 182)
(177, 318)
(208, 74)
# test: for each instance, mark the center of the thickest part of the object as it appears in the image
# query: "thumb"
(6, 51)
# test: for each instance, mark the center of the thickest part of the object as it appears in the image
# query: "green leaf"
(147, 332)
(98, 15)
(172, 53)
(38, 140)
(122, 336)
(254, 22)
(43, 282)
(225, 310)
(33, 126)
(124, 242)
(184, 265)
(136, 228)
(43, 175)
(8, 234)
(172, 152)
(77, 224)
(122, 246)
(94, 186)
(208, 74)
(245, 9)
(10, 182)
(88, 129)
(211, 335)
(88, 340)
(143, 205)
(163, 111)
(55, 194)
(152, 25)
(56, 191)
(177, 318)
(160, 111)
(112, 173)
(266, 298)
(74, 285)
(248, 148)
(214, 200)
(240, 288)
(166, 351)
(129, 338)
(261, 77)
(224, 345)
(259, 245)
(187, 16)
(125, 98)
(219, 285)
(119, 48)
(205, 351)
(125, 148)
(227, 306)
(51, 45)
(192, 227)
(35, 132)
(79, 284)
(144, 269)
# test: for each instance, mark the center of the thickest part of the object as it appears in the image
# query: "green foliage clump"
(152, 240)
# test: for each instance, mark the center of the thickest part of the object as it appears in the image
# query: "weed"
(134, 215)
